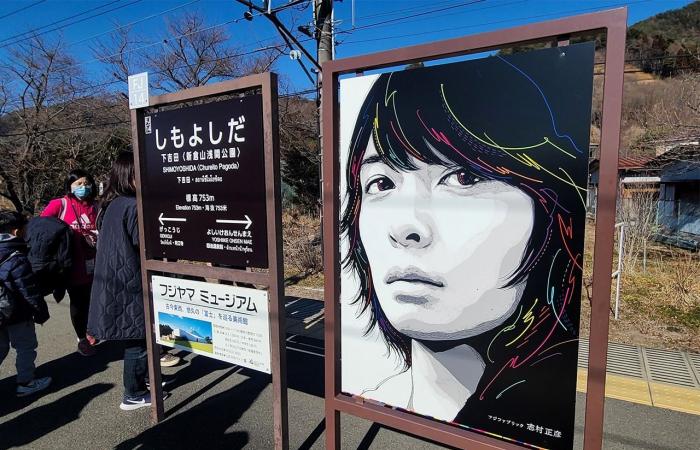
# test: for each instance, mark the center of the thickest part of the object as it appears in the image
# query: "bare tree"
(637, 209)
(47, 129)
(300, 157)
(192, 54)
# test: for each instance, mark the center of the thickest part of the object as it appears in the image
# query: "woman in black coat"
(116, 311)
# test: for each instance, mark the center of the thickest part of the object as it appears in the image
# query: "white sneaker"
(132, 403)
(34, 386)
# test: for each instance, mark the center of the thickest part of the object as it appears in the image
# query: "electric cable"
(134, 22)
(33, 34)
(23, 8)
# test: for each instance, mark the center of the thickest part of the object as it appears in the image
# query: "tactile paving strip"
(670, 367)
(661, 378)
(694, 359)
(623, 359)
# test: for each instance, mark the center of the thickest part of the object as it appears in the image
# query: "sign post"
(208, 191)
(467, 136)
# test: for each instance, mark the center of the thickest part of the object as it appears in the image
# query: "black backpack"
(7, 303)
(49, 252)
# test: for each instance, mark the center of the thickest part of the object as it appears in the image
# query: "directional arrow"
(162, 219)
(247, 221)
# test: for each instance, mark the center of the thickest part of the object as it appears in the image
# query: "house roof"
(689, 154)
(633, 162)
(679, 164)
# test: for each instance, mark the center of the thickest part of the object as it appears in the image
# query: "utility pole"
(322, 33)
(323, 21)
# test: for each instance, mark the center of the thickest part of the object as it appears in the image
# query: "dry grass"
(301, 236)
(659, 307)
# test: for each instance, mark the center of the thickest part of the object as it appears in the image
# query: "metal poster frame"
(272, 279)
(614, 24)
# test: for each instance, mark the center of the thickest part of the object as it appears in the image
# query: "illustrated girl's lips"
(413, 275)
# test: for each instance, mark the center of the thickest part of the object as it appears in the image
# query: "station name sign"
(204, 183)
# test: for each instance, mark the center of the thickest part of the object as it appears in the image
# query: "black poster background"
(241, 191)
(527, 394)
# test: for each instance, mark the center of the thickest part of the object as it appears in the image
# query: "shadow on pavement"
(204, 425)
(305, 371)
(40, 421)
(313, 437)
(371, 434)
(66, 371)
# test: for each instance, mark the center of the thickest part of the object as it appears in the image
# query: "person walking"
(21, 304)
(116, 311)
(77, 208)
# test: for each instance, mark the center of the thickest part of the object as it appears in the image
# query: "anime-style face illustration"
(442, 244)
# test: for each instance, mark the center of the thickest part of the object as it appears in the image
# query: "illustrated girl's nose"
(415, 234)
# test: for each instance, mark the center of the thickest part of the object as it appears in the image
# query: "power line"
(21, 9)
(410, 16)
(34, 30)
(402, 10)
(33, 35)
(143, 19)
(525, 18)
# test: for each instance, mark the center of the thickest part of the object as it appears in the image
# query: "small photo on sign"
(185, 332)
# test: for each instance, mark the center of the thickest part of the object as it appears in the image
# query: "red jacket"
(81, 216)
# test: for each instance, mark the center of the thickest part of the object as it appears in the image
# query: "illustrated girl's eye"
(379, 184)
(459, 178)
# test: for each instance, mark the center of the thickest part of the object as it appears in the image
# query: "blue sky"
(185, 323)
(378, 24)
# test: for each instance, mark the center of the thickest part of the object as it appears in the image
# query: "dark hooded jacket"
(116, 307)
(17, 277)
(49, 244)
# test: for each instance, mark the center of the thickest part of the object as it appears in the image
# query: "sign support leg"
(605, 232)
(156, 389)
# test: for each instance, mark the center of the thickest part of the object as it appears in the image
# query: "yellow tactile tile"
(581, 380)
(678, 398)
(629, 389)
(623, 388)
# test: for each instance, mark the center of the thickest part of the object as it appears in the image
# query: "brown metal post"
(605, 230)
(157, 409)
(278, 351)
(331, 255)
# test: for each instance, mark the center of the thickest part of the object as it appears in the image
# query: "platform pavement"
(216, 405)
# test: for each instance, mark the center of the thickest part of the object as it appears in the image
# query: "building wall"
(679, 207)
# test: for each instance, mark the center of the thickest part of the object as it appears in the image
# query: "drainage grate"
(583, 353)
(695, 364)
(623, 359)
(669, 367)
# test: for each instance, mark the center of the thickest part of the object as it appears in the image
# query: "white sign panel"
(223, 322)
(138, 90)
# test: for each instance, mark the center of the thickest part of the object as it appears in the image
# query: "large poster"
(462, 221)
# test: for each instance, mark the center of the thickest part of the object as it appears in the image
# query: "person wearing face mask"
(78, 209)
